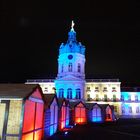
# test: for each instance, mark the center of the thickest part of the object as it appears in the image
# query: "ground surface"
(123, 129)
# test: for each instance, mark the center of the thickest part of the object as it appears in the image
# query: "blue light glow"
(96, 119)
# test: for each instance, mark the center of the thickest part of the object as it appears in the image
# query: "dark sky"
(32, 31)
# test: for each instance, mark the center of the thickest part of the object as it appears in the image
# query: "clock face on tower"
(70, 56)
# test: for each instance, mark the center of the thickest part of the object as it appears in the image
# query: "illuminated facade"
(71, 84)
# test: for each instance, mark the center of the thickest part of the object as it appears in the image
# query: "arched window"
(79, 67)
(61, 93)
(69, 93)
(70, 67)
(78, 93)
(62, 68)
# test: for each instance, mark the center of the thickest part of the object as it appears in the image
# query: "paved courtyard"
(128, 129)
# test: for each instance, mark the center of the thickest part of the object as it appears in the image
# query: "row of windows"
(129, 98)
(105, 97)
(69, 93)
(130, 110)
(104, 89)
(70, 67)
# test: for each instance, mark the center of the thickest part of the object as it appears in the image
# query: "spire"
(72, 33)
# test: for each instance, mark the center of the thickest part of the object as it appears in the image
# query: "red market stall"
(23, 112)
(108, 112)
(79, 113)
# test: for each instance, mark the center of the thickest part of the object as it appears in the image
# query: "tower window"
(79, 67)
(78, 93)
(61, 93)
(69, 93)
(70, 67)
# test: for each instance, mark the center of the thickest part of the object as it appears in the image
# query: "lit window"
(105, 89)
(137, 109)
(123, 110)
(97, 97)
(69, 93)
(70, 67)
(136, 97)
(130, 109)
(115, 108)
(114, 97)
(79, 67)
(122, 98)
(113, 89)
(105, 97)
(46, 89)
(88, 88)
(78, 93)
(96, 89)
(129, 98)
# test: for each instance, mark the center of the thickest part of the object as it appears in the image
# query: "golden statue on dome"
(72, 25)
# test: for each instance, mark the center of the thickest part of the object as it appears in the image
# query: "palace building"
(71, 83)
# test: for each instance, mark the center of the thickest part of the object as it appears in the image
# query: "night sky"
(32, 31)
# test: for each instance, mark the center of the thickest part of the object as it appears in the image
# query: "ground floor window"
(80, 115)
(96, 115)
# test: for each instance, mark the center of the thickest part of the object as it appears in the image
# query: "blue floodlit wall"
(131, 109)
(130, 96)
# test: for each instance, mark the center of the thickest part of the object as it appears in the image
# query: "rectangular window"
(122, 98)
(115, 108)
(137, 109)
(136, 97)
(130, 109)
(123, 110)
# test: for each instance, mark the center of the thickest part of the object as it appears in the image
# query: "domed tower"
(70, 81)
